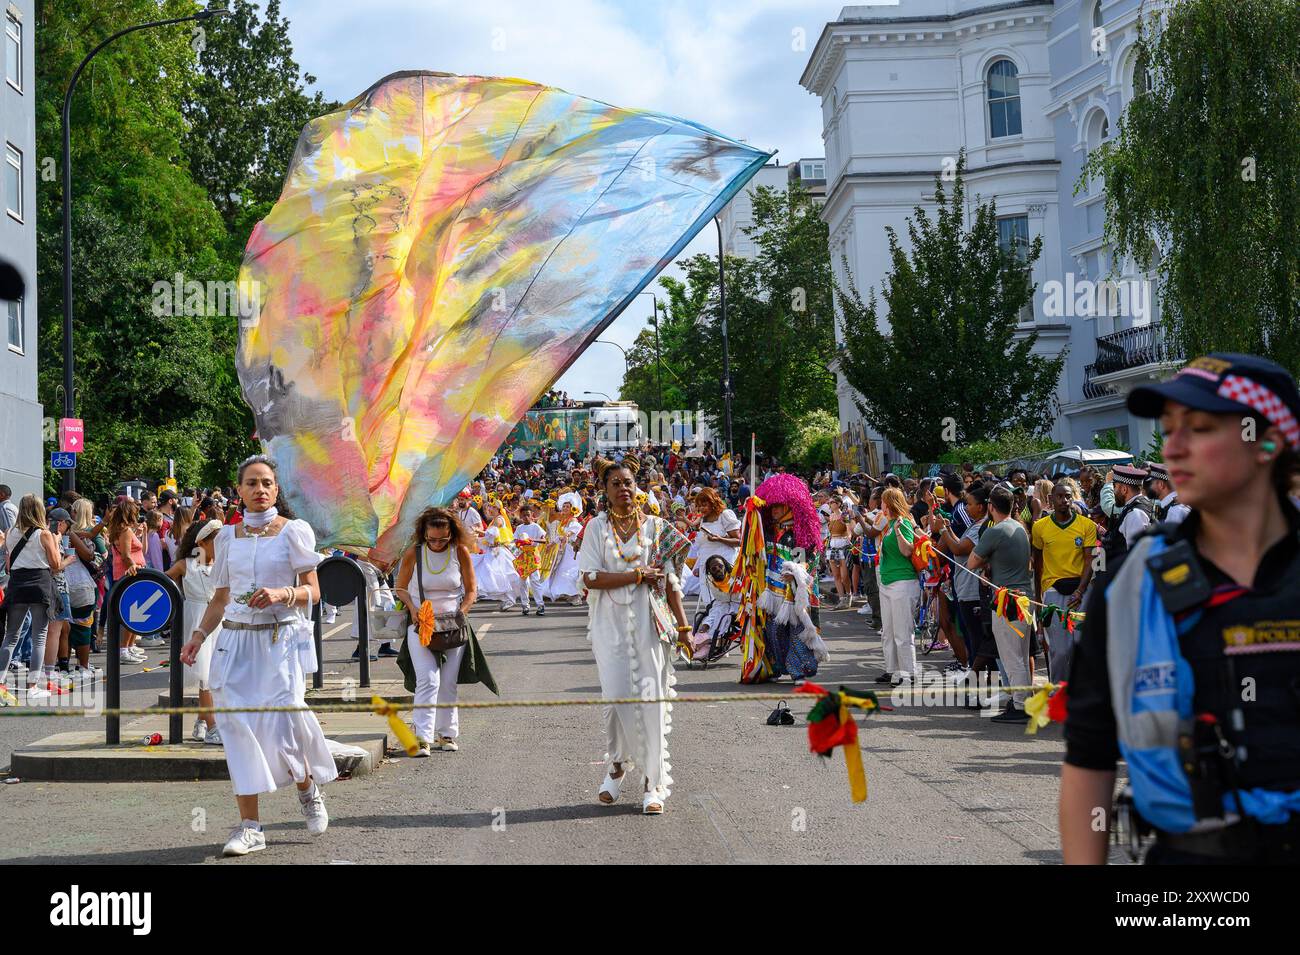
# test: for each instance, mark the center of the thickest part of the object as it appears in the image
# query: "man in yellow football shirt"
(1063, 543)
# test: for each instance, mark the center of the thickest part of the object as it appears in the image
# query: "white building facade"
(21, 416)
(904, 89)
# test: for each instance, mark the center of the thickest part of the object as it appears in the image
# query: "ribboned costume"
(267, 665)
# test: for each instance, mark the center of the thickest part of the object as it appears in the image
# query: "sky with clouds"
(733, 66)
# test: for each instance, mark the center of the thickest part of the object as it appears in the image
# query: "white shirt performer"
(264, 577)
(631, 657)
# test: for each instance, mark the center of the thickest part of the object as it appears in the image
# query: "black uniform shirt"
(1091, 739)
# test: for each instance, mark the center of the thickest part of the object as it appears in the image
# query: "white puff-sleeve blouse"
(247, 564)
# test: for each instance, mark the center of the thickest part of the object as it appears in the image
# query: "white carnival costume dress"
(265, 751)
(494, 568)
(197, 586)
(632, 659)
(563, 581)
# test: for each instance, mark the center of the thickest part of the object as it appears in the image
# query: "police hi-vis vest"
(1152, 689)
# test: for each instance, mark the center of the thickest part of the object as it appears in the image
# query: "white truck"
(615, 426)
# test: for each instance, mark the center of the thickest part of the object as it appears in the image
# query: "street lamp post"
(69, 402)
(601, 393)
(606, 341)
(659, 367)
(726, 348)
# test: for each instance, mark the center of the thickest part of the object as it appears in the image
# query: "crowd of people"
(962, 555)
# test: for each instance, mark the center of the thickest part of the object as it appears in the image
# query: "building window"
(14, 182)
(1098, 48)
(1004, 99)
(813, 170)
(14, 51)
(15, 310)
(1013, 235)
(1097, 133)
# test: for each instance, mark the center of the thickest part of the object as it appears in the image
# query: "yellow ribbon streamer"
(853, 760)
(1036, 709)
(396, 724)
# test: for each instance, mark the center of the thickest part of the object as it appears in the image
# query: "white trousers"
(435, 684)
(898, 614)
(1013, 651)
(532, 584)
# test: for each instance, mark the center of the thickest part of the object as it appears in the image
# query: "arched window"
(1095, 35)
(1096, 133)
(1004, 100)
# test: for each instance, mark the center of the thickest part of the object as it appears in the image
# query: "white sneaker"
(446, 744)
(212, 737)
(330, 616)
(865, 611)
(313, 810)
(149, 643)
(199, 730)
(138, 654)
(243, 840)
(37, 695)
(126, 656)
(423, 748)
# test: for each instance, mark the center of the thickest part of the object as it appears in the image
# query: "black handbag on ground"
(780, 716)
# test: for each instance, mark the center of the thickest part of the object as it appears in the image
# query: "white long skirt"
(197, 676)
(563, 581)
(494, 573)
(633, 662)
(265, 751)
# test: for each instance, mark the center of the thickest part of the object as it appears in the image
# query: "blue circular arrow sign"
(144, 606)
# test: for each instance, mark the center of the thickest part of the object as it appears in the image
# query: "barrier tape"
(383, 708)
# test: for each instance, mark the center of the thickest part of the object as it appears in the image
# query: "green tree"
(952, 367)
(248, 109)
(813, 443)
(780, 324)
(150, 386)
(1200, 176)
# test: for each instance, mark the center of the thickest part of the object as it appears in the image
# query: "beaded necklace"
(617, 546)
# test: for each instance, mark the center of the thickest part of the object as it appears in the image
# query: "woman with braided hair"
(629, 562)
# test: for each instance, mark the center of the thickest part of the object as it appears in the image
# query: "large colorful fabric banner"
(444, 247)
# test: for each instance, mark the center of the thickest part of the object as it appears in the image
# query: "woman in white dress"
(494, 567)
(718, 536)
(446, 580)
(193, 570)
(632, 656)
(563, 582)
(264, 580)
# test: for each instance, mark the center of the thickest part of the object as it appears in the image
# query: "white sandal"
(652, 804)
(610, 788)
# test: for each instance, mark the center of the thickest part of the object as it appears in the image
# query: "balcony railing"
(1132, 348)
(1091, 389)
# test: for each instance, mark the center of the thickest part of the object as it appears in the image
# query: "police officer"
(1188, 664)
(1168, 507)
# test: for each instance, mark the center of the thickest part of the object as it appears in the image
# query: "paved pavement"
(945, 785)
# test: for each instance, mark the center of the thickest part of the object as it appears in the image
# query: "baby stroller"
(715, 632)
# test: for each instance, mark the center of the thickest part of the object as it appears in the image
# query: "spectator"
(1063, 542)
(899, 590)
(128, 557)
(1004, 548)
(33, 558)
